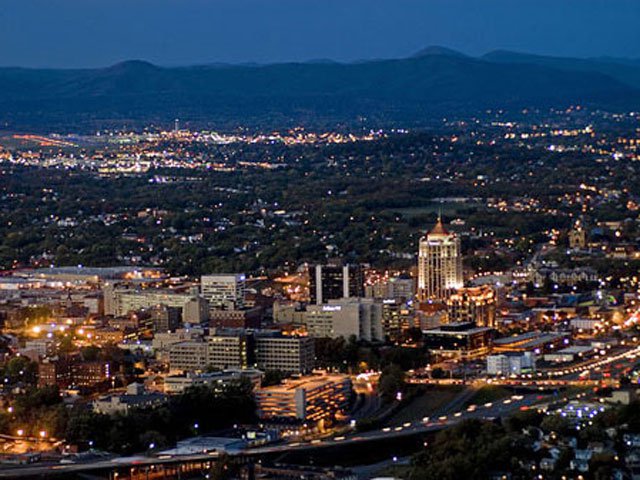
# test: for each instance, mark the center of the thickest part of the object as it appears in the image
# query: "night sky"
(92, 33)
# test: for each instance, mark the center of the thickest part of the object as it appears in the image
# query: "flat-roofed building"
(359, 317)
(245, 318)
(536, 342)
(135, 397)
(397, 316)
(334, 281)
(120, 302)
(570, 354)
(286, 354)
(72, 372)
(224, 290)
(196, 310)
(463, 339)
(218, 380)
(312, 398)
(232, 350)
(190, 355)
(586, 325)
(511, 363)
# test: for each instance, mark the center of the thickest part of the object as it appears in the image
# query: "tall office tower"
(439, 264)
(335, 281)
(224, 290)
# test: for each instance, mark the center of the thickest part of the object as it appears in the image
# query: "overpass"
(147, 467)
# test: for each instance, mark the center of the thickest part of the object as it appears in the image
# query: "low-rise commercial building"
(507, 364)
(72, 372)
(218, 380)
(536, 342)
(569, 354)
(134, 397)
(463, 339)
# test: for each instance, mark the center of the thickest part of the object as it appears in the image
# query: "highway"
(591, 372)
(420, 426)
(620, 361)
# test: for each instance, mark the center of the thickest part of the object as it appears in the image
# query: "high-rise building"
(397, 317)
(335, 281)
(224, 291)
(474, 304)
(359, 317)
(439, 264)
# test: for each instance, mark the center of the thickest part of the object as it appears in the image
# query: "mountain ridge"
(432, 83)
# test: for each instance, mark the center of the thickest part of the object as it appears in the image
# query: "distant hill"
(624, 70)
(415, 90)
(438, 50)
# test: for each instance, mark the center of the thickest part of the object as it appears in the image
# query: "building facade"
(286, 354)
(335, 281)
(224, 291)
(439, 264)
(474, 304)
(313, 398)
(359, 317)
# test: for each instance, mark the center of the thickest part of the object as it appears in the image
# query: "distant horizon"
(81, 34)
(327, 59)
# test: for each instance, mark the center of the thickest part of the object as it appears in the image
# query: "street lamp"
(42, 434)
(20, 432)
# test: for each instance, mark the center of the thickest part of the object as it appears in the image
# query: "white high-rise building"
(224, 290)
(359, 317)
(439, 264)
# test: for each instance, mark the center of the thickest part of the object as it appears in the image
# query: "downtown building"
(233, 349)
(121, 301)
(473, 304)
(335, 281)
(312, 398)
(72, 371)
(358, 317)
(439, 264)
(224, 291)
